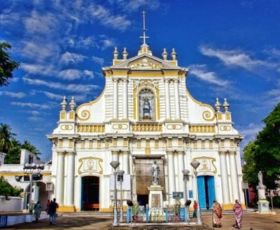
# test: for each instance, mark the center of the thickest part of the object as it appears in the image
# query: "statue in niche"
(146, 108)
(155, 173)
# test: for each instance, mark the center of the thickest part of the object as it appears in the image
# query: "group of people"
(51, 209)
(218, 214)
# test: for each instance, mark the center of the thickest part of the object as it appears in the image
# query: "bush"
(8, 190)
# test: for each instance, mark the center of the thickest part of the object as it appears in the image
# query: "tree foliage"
(11, 146)
(7, 65)
(8, 190)
(263, 154)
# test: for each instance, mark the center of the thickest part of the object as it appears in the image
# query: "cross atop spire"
(144, 47)
(144, 28)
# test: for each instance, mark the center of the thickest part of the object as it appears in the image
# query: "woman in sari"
(217, 215)
(238, 213)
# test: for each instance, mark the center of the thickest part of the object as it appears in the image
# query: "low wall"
(13, 204)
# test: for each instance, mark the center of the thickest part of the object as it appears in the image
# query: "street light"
(195, 164)
(115, 165)
(186, 173)
(120, 174)
(32, 170)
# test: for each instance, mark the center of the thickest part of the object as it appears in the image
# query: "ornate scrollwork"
(84, 115)
(207, 116)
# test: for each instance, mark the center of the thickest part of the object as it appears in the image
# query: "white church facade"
(144, 114)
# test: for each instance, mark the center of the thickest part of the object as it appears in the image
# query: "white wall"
(14, 204)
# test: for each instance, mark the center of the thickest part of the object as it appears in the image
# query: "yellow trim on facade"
(22, 174)
(91, 128)
(106, 209)
(202, 128)
(147, 127)
(67, 209)
(62, 115)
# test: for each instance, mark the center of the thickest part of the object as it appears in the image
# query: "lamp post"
(115, 165)
(186, 173)
(32, 170)
(195, 164)
(120, 174)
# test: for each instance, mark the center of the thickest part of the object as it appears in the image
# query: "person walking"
(37, 211)
(217, 215)
(238, 213)
(195, 207)
(52, 211)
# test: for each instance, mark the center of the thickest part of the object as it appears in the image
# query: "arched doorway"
(90, 193)
(206, 191)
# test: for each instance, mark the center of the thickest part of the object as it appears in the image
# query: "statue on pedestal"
(155, 173)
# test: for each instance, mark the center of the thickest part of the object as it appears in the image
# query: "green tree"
(28, 146)
(6, 137)
(7, 65)
(8, 190)
(13, 154)
(264, 153)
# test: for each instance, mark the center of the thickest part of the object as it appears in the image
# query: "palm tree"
(6, 137)
(28, 146)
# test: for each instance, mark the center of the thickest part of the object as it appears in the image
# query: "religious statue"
(146, 108)
(155, 173)
(260, 177)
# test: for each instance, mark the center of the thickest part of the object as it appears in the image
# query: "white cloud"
(13, 94)
(38, 69)
(98, 60)
(60, 86)
(203, 74)
(250, 132)
(88, 73)
(31, 105)
(71, 58)
(70, 74)
(235, 58)
(41, 24)
(107, 43)
(107, 18)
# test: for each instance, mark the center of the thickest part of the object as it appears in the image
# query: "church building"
(145, 114)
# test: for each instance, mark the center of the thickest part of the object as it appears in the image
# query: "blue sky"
(231, 47)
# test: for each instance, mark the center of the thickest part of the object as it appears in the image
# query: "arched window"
(146, 105)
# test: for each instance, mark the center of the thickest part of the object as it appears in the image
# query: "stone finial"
(226, 105)
(124, 53)
(218, 105)
(63, 103)
(173, 54)
(72, 103)
(116, 53)
(164, 54)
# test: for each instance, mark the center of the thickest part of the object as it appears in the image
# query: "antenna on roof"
(144, 28)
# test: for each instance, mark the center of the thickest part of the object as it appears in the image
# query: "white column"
(125, 162)
(177, 103)
(115, 107)
(224, 175)
(233, 174)
(170, 174)
(181, 167)
(70, 178)
(125, 99)
(60, 178)
(167, 106)
(176, 172)
(239, 176)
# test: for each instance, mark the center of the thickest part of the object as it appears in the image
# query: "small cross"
(144, 28)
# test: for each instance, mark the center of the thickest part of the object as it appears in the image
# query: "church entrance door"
(90, 193)
(206, 191)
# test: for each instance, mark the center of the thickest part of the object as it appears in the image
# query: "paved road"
(92, 221)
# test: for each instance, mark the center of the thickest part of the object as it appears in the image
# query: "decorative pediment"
(145, 63)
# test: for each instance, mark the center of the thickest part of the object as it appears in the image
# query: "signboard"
(177, 195)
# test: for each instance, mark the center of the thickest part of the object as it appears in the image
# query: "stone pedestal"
(263, 207)
(263, 204)
(156, 204)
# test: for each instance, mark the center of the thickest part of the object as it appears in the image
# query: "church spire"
(144, 47)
